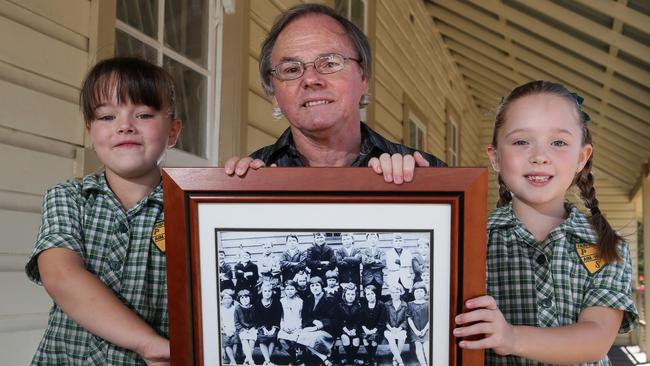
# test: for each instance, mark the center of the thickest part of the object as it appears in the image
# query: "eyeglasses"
(327, 64)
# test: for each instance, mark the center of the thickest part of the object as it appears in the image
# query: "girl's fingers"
(486, 301)
(480, 315)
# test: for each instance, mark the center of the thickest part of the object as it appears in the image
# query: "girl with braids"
(559, 281)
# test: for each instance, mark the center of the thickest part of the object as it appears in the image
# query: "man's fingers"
(230, 165)
(408, 167)
(386, 167)
(256, 164)
(375, 165)
(420, 160)
(398, 175)
(242, 166)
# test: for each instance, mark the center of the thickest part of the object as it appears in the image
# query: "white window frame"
(453, 142)
(177, 157)
(365, 14)
(421, 129)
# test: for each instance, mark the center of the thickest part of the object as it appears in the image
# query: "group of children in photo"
(558, 281)
(311, 317)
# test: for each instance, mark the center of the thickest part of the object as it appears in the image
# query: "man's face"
(317, 104)
(319, 239)
(372, 239)
(347, 240)
(398, 241)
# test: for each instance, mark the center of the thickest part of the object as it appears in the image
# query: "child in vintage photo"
(268, 312)
(247, 274)
(349, 313)
(333, 289)
(373, 322)
(225, 273)
(558, 281)
(418, 320)
(228, 330)
(302, 279)
(96, 254)
(396, 325)
(245, 325)
(291, 321)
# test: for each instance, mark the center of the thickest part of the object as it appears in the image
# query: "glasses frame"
(303, 66)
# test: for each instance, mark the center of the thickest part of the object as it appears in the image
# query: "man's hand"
(397, 168)
(488, 320)
(239, 167)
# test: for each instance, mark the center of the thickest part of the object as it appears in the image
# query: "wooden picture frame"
(199, 202)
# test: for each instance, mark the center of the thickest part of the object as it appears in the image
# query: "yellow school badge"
(589, 255)
(158, 235)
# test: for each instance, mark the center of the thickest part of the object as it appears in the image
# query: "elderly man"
(316, 66)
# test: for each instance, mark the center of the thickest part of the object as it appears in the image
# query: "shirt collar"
(576, 224)
(96, 182)
(372, 144)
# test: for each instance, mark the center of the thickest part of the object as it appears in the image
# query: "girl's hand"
(156, 352)
(488, 320)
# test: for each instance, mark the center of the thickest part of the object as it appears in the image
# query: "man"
(348, 260)
(320, 257)
(316, 66)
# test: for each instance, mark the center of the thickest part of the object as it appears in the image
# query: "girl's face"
(226, 301)
(395, 294)
(316, 288)
(130, 140)
(290, 291)
(331, 282)
(419, 294)
(370, 295)
(267, 292)
(302, 281)
(350, 295)
(245, 300)
(539, 151)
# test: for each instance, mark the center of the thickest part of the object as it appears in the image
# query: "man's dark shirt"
(284, 152)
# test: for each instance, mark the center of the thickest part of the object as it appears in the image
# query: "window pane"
(186, 28)
(126, 45)
(140, 14)
(191, 106)
(420, 139)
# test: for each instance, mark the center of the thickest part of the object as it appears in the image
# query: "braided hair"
(608, 239)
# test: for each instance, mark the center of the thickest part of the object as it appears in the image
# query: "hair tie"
(595, 211)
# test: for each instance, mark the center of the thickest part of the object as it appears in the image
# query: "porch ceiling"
(599, 48)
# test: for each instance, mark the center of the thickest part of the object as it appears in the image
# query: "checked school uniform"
(125, 250)
(548, 284)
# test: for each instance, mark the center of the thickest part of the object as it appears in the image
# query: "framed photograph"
(348, 244)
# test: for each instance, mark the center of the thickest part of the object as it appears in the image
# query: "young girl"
(559, 281)
(417, 315)
(333, 289)
(291, 321)
(228, 330)
(373, 322)
(302, 288)
(395, 332)
(245, 326)
(268, 312)
(96, 252)
(349, 312)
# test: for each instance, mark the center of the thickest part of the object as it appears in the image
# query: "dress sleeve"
(612, 287)
(61, 224)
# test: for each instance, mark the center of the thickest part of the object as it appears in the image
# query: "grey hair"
(358, 38)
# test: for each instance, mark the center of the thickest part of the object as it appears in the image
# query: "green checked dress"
(117, 247)
(547, 284)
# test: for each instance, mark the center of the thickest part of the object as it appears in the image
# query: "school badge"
(158, 235)
(589, 255)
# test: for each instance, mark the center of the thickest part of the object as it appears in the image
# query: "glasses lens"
(329, 64)
(289, 70)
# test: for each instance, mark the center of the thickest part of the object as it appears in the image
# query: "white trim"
(421, 131)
